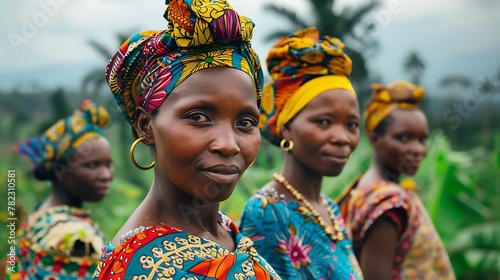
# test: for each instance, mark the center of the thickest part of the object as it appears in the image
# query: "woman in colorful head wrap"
(59, 240)
(311, 111)
(392, 234)
(190, 93)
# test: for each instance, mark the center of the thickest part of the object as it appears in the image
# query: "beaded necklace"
(333, 231)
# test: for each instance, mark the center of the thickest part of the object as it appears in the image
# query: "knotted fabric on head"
(201, 34)
(64, 137)
(387, 99)
(302, 66)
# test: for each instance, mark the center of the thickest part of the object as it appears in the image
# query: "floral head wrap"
(64, 137)
(302, 66)
(201, 34)
(387, 99)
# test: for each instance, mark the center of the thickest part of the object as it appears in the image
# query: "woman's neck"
(58, 197)
(379, 171)
(170, 206)
(303, 179)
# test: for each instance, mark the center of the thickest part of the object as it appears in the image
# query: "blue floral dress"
(291, 239)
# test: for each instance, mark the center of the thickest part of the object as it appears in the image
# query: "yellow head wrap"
(387, 99)
(302, 66)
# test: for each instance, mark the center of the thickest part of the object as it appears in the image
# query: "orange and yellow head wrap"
(387, 99)
(302, 66)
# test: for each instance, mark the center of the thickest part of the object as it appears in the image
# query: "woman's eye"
(248, 123)
(198, 117)
(323, 122)
(91, 165)
(403, 137)
(353, 125)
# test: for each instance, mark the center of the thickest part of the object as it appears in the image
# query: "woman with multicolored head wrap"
(192, 94)
(311, 111)
(392, 234)
(59, 240)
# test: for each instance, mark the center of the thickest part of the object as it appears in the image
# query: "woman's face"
(206, 133)
(325, 132)
(87, 174)
(404, 145)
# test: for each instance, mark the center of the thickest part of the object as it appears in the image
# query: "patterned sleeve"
(264, 221)
(63, 236)
(366, 205)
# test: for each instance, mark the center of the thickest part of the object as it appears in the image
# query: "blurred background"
(53, 54)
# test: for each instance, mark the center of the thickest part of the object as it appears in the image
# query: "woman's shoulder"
(374, 190)
(62, 216)
(267, 198)
(62, 230)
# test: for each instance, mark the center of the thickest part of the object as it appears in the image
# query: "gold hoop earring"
(286, 145)
(132, 148)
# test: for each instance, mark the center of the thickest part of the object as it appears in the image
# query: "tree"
(415, 66)
(345, 25)
(454, 86)
(488, 86)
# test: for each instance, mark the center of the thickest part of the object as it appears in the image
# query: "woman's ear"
(286, 132)
(144, 129)
(374, 138)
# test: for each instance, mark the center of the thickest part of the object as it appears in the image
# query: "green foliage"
(476, 251)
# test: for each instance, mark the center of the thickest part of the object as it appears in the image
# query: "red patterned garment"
(162, 252)
(419, 252)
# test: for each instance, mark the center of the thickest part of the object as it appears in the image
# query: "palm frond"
(358, 15)
(101, 49)
(93, 81)
(480, 247)
(289, 15)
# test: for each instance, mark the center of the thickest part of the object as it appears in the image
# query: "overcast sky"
(45, 43)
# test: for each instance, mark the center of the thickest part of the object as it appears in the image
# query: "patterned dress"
(419, 252)
(47, 241)
(162, 252)
(291, 239)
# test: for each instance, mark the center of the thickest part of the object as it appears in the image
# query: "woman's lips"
(223, 174)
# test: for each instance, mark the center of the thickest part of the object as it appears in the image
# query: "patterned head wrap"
(387, 99)
(201, 34)
(64, 137)
(302, 66)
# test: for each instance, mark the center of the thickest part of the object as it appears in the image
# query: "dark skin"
(398, 151)
(203, 137)
(325, 132)
(85, 176)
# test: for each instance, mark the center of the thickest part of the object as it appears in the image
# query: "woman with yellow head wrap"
(191, 93)
(311, 111)
(59, 240)
(392, 234)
